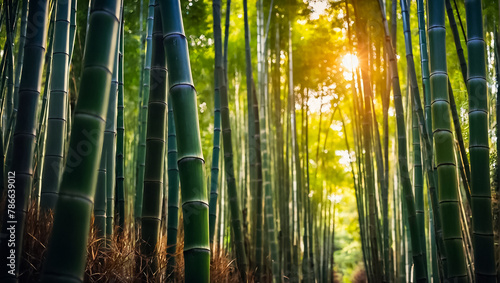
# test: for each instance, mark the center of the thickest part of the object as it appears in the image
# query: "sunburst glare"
(349, 63)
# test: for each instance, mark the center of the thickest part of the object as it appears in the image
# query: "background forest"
(321, 66)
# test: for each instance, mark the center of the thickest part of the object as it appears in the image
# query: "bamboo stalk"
(173, 192)
(120, 139)
(25, 133)
(155, 149)
(219, 85)
(66, 256)
(190, 157)
(56, 123)
(443, 143)
(482, 222)
(141, 150)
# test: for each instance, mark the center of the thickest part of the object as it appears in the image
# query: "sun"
(350, 62)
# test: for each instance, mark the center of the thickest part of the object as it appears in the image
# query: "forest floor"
(117, 261)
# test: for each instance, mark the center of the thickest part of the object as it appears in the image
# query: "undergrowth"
(118, 259)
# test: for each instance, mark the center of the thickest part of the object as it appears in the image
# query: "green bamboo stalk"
(164, 203)
(456, 38)
(221, 211)
(308, 200)
(25, 137)
(66, 256)
(120, 178)
(482, 226)
(424, 63)
(497, 132)
(280, 163)
(377, 147)
(15, 94)
(72, 29)
(367, 132)
(141, 151)
(434, 215)
(20, 52)
(135, 165)
(418, 253)
(155, 148)
(190, 157)
(262, 249)
(42, 120)
(358, 186)
(226, 40)
(251, 153)
(234, 205)
(287, 213)
(257, 215)
(173, 193)
(394, 23)
(443, 143)
(360, 195)
(426, 141)
(435, 267)
(219, 85)
(9, 55)
(269, 208)
(417, 119)
(295, 159)
(463, 163)
(359, 192)
(100, 199)
(3, 71)
(465, 170)
(418, 181)
(259, 222)
(20, 60)
(389, 268)
(397, 230)
(109, 147)
(56, 122)
(8, 97)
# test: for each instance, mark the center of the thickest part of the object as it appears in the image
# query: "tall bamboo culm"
(420, 133)
(434, 219)
(100, 199)
(366, 122)
(120, 138)
(443, 143)
(417, 252)
(155, 149)
(218, 83)
(58, 101)
(482, 221)
(141, 149)
(25, 132)
(173, 192)
(229, 169)
(109, 145)
(66, 255)
(190, 157)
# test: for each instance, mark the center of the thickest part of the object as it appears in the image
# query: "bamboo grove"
(261, 141)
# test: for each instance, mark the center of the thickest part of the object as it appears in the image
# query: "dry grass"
(118, 260)
(38, 228)
(359, 275)
(112, 261)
